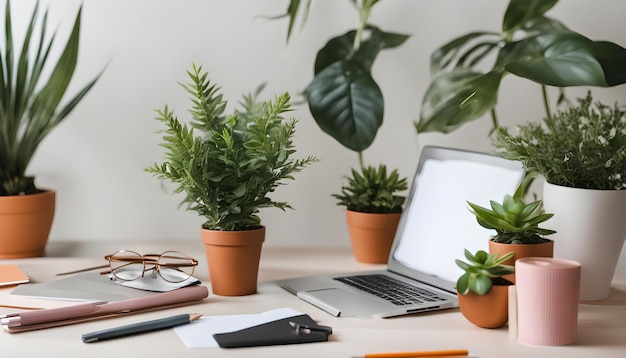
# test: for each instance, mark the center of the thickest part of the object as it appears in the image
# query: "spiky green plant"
(373, 191)
(515, 221)
(29, 101)
(481, 270)
(228, 171)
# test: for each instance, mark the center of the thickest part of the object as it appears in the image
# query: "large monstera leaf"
(457, 97)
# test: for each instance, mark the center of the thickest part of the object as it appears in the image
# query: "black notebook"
(292, 330)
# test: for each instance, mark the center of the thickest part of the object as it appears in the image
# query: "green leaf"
(346, 103)
(457, 97)
(462, 284)
(337, 49)
(559, 59)
(30, 105)
(342, 48)
(501, 270)
(393, 40)
(442, 57)
(612, 59)
(519, 12)
(480, 284)
(292, 12)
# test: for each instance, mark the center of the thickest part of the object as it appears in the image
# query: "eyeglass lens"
(172, 266)
(175, 266)
(127, 265)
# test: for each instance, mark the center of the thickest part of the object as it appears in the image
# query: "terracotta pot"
(545, 249)
(371, 235)
(487, 311)
(233, 258)
(25, 223)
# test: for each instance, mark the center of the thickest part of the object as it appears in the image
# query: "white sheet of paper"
(199, 333)
(158, 284)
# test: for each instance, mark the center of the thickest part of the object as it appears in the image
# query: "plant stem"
(361, 159)
(546, 103)
(494, 120)
(364, 8)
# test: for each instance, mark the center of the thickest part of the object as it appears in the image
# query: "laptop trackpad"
(341, 302)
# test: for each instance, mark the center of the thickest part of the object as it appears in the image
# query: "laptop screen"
(436, 225)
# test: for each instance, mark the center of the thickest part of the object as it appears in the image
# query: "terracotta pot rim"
(354, 212)
(251, 228)
(537, 243)
(40, 193)
(233, 238)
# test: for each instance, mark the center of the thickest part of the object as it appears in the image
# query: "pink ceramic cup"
(547, 300)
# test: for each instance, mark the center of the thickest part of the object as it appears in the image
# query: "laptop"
(434, 229)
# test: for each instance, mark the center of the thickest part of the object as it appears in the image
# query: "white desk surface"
(601, 331)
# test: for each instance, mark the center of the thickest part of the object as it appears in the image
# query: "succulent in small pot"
(514, 221)
(481, 271)
(482, 290)
(517, 228)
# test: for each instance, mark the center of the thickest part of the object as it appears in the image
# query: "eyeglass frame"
(152, 259)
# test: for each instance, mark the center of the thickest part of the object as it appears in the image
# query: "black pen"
(140, 327)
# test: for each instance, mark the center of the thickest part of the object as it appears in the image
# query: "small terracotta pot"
(545, 249)
(487, 311)
(233, 258)
(371, 235)
(25, 223)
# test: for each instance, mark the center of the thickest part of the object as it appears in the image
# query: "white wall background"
(95, 159)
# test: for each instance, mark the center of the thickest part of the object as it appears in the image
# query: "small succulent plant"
(515, 221)
(481, 271)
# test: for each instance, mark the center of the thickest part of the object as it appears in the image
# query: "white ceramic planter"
(591, 228)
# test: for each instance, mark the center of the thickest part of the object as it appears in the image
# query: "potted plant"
(482, 291)
(31, 88)
(517, 228)
(581, 153)
(227, 173)
(530, 45)
(347, 103)
(373, 210)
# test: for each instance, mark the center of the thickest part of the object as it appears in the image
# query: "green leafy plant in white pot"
(227, 166)
(581, 153)
(347, 104)
(483, 290)
(32, 89)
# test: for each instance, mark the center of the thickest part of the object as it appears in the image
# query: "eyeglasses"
(172, 266)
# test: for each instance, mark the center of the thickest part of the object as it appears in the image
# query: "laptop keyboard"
(390, 289)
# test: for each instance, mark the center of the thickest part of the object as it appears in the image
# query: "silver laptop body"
(434, 229)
